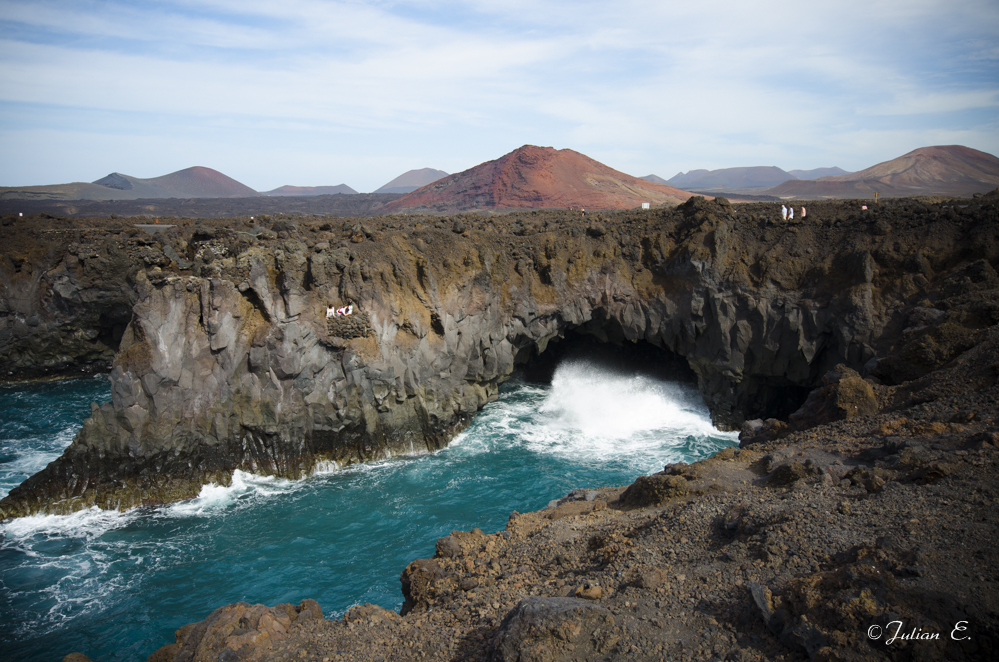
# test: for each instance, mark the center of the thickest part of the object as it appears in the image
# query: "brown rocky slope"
(948, 170)
(537, 178)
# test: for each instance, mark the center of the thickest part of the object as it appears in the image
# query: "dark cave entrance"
(602, 342)
(776, 398)
(626, 357)
(111, 326)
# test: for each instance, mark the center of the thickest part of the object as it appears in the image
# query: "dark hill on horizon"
(411, 180)
(288, 190)
(740, 179)
(196, 182)
(201, 182)
(747, 177)
(945, 170)
(532, 177)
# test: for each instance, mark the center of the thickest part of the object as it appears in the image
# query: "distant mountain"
(533, 177)
(691, 177)
(311, 190)
(412, 180)
(197, 182)
(750, 177)
(815, 173)
(655, 179)
(949, 170)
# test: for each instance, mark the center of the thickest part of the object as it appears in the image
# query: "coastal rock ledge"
(229, 361)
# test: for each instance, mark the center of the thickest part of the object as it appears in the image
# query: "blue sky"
(310, 92)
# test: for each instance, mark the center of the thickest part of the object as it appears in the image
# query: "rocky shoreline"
(225, 359)
(860, 345)
(865, 538)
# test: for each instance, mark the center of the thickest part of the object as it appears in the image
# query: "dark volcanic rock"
(232, 364)
(64, 301)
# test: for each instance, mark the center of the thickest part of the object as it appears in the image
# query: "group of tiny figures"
(788, 212)
(337, 312)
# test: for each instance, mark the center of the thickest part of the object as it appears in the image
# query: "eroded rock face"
(64, 303)
(228, 361)
(239, 631)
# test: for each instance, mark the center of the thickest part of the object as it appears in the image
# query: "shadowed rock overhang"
(230, 362)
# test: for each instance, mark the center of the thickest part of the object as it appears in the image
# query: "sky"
(316, 93)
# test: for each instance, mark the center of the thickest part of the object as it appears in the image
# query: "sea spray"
(39, 420)
(116, 585)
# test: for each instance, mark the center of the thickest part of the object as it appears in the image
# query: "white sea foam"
(31, 455)
(84, 524)
(326, 467)
(65, 569)
(244, 487)
(598, 403)
(592, 414)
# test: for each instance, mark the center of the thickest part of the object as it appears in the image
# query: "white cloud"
(659, 85)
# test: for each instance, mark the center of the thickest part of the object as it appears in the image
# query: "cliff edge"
(229, 361)
(869, 537)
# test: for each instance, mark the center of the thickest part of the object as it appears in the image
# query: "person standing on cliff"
(790, 214)
(803, 212)
(783, 212)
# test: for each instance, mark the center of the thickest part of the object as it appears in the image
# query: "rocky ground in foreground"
(866, 538)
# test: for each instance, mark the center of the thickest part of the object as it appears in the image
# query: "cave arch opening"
(603, 343)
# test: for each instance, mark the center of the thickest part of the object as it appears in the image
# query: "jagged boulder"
(238, 631)
(554, 629)
(842, 394)
(654, 490)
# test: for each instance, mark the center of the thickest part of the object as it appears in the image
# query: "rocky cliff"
(65, 299)
(865, 539)
(229, 361)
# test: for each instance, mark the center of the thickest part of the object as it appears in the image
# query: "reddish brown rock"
(538, 178)
(239, 631)
(938, 170)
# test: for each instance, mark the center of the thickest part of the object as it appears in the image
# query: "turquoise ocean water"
(116, 586)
